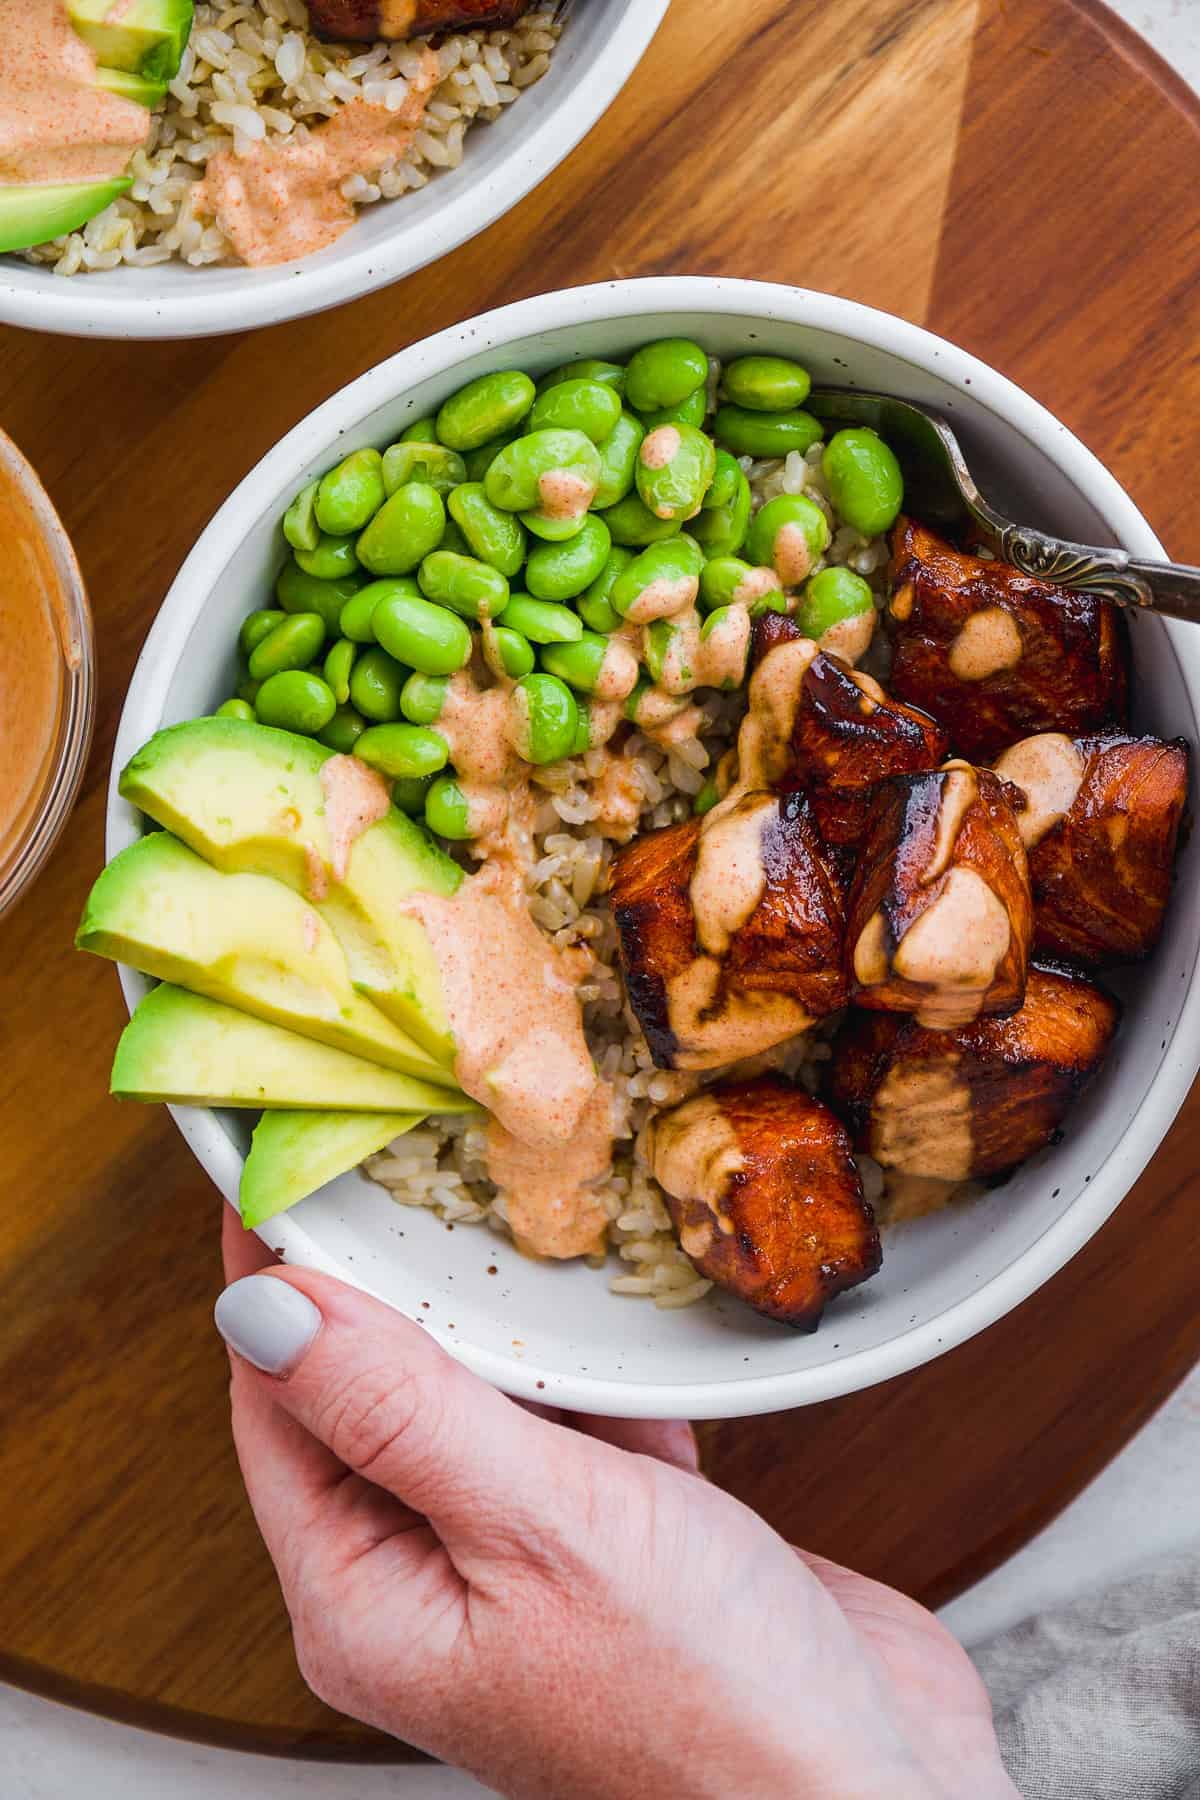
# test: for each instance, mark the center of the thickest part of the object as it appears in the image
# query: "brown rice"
(253, 70)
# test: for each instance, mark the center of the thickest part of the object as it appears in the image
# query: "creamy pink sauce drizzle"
(792, 556)
(565, 494)
(281, 199)
(755, 585)
(553, 1209)
(660, 447)
(659, 599)
(356, 797)
(56, 125)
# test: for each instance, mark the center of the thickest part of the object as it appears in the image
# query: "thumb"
(393, 1406)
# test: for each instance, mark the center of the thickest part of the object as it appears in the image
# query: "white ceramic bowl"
(602, 45)
(555, 1332)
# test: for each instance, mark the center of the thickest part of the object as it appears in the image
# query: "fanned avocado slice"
(129, 86)
(292, 1154)
(145, 37)
(248, 799)
(189, 1051)
(244, 940)
(31, 215)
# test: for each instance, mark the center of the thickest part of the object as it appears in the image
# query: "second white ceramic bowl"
(555, 1333)
(602, 44)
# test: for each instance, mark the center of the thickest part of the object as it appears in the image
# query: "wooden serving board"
(1018, 174)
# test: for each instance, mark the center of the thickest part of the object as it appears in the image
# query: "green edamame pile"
(583, 540)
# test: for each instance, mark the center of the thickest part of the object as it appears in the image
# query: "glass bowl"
(47, 675)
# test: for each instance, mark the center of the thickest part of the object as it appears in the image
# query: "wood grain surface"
(1020, 175)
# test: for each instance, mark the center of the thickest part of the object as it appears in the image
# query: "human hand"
(563, 1605)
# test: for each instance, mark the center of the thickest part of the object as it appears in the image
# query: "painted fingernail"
(267, 1321)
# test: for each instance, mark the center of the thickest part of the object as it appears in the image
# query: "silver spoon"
(940, 490)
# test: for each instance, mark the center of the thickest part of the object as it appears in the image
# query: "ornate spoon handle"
(1171, 588)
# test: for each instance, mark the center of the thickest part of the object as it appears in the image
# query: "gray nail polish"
(267, 1321)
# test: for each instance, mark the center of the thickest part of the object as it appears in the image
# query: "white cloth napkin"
(1100, 1700)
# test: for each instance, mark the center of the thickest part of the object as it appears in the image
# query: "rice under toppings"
(253, 72)
(442, 1164)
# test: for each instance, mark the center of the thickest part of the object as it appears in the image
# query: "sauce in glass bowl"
(47, 692)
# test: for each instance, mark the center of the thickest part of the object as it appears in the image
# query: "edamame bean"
(300, 526)
(422, 697)
(343, 730)
(595, 607)
(631, 522)
(247, 690)
(765, 383)
(604, 666)
(453, 539)
(726, 580)
(618, 460)
(721, 531)
(586, 368)
(375, 684)
(578, 664)
(298, 592)
(749, 433)
(788, 534)
(495, 537)
(403, 752)
(733, 647)
(332, 559)
(409, 791)
(357, 614)
(464, 584)
(421, 431)
(577, 405)
(664, 579)
(404, 530)
(835, 594)
(692, 411)
(865, 482)
(543, 718)
(724, 484)
(446, 811)
(484, 408)
(664, 373)
(478, 462)
(674, 467)
(425, 637)
(412, 460)
(664, 650)
(507, 652)
(706, 799)
(236, 709)
(541, 621)
(556, 472)
(256, 626)
(291, 645)
(350, 494)
(339, 661)
(294, 700)
(560, 571)
(551, 530)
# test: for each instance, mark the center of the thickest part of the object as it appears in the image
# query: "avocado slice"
(241, 939)
(146, 37)
(293, 1154)
(131, 87)
(248, 799)
(190, 1051)
(31, 215)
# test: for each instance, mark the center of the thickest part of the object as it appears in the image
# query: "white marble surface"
(1143, 1503)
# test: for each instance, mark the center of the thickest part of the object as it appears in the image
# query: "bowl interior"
(526, 1324)
(503, 160)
